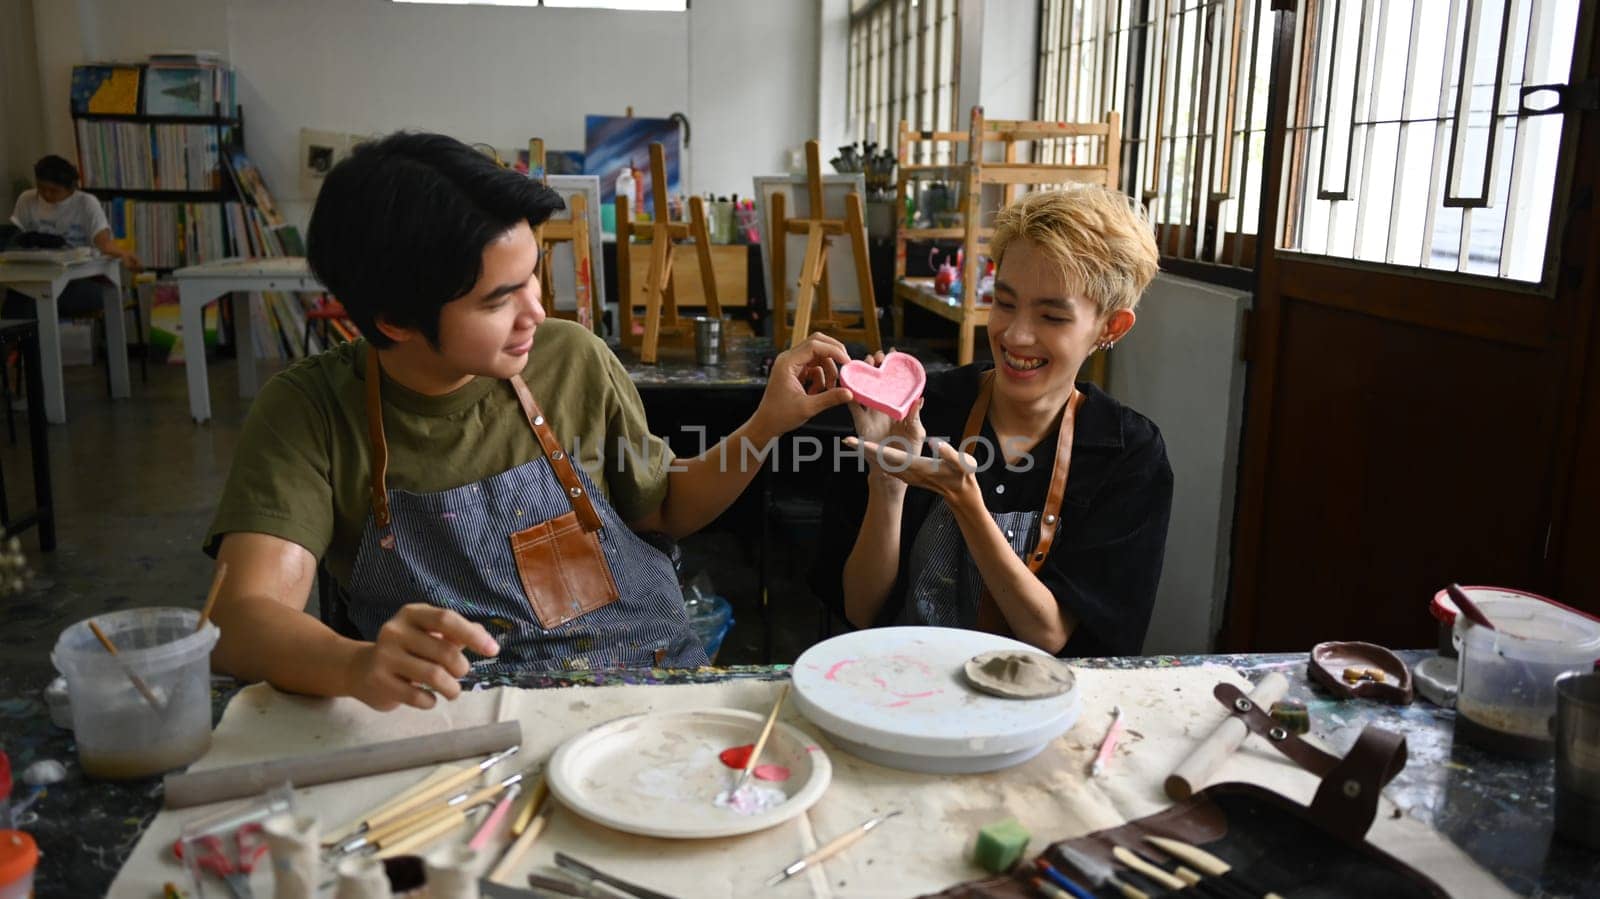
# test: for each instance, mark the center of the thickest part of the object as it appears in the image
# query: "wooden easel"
(661, 319)
(813, 284)
(588, 310)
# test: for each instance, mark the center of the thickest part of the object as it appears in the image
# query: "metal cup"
(1577, 733)
(707, 340)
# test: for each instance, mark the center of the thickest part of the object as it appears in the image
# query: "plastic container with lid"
(120, 734)
(19, 855)
(1506, 692)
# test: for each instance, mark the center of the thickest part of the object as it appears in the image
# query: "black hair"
(400, 226)
(56, 170)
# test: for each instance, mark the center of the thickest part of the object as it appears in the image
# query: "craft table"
(199, 285)
(1497, 811)
(44, 281)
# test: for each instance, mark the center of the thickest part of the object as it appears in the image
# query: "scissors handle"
(248, 847)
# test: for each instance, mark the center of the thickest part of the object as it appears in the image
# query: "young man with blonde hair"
(972, 516)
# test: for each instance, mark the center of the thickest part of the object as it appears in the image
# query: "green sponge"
(1000, 845)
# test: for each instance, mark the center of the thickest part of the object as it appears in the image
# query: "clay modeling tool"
(396, 829)
(211, 596)
(1066, 885)
(137, 681)
(350, 829)
(1108, 746)
(436, 790)
(217, 784)
(1206, 862)
(833, 847)
(486, 831)
(1132, 861)
(525, 832)
(535, 799)
(562, 887)
(1099, 873)
(1195, 770)
(1468, 607)
(568, 863)
(761, 743)
(1051, 891)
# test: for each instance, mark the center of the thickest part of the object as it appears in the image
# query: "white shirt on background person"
(77, 219)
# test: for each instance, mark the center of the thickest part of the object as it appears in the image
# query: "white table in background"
(44, 280)
(199, 285)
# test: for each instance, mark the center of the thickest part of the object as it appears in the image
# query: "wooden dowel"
(184, 790)
(518, 849)
(1193, 772)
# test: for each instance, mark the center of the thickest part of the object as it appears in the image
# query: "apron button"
(999, 488)
(1049, 519)
(538, 420)
(1038, 557)
(1011, 535)
(558, 455)
(576, 492)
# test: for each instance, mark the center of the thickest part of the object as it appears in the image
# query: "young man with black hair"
(55, 206)
(471, 474)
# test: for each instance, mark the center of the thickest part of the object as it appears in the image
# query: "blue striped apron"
(454, 549)
(944, 586)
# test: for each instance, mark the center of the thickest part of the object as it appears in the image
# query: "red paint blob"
(737, 757)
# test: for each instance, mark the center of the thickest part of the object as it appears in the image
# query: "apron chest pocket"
(563, 570)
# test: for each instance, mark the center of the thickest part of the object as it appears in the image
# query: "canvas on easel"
(575, 191)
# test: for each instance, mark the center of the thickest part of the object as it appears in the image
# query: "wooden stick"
(138, 682)
(761, 742)
(1129, 859)
(351, 828)
(211, 597)
(424, 795)
(415, 820)
(217, 784)
(518, 849)
(1195, 770)
(422, 837)
(535, 799)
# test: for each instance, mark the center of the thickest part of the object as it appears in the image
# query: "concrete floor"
(136, 483)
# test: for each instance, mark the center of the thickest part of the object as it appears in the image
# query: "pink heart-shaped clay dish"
(891, 388)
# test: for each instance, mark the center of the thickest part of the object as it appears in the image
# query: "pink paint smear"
(738, 756)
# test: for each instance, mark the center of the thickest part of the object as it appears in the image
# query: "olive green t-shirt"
(302, 469)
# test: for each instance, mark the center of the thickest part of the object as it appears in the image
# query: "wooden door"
(1410, 425)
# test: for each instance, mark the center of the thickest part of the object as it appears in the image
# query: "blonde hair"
(1099, 238)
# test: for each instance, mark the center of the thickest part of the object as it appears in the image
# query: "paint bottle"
(19, 856)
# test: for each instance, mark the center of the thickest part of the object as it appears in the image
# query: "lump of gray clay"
(1018, 674)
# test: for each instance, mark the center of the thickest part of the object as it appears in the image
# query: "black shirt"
(1105, 563)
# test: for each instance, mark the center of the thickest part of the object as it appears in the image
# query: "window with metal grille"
(904, 64)
(1406, 145)
(1191, 79)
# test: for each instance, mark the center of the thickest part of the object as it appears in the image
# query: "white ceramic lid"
(902, 689)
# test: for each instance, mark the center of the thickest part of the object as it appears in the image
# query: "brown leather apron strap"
(989, 616)
(560, 462)
(380, 447)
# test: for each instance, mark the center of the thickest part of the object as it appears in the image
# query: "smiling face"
(488, 331)
(1042, 328)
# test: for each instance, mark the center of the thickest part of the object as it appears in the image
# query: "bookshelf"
(161, 144)
(152, 143)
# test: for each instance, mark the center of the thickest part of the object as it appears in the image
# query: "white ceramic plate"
(658, 774)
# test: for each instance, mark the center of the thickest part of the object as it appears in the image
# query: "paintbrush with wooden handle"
(138, 682)
(761, 742)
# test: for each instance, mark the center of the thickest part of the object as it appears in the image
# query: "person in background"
(996, 536)
(55, 206)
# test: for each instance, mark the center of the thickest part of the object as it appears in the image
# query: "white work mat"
(926, 849)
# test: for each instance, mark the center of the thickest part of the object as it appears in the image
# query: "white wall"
(744, 73)
(21, 120)
(1180, 366)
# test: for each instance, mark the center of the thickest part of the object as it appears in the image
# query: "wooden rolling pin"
(184, 790)
(1194, 771)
